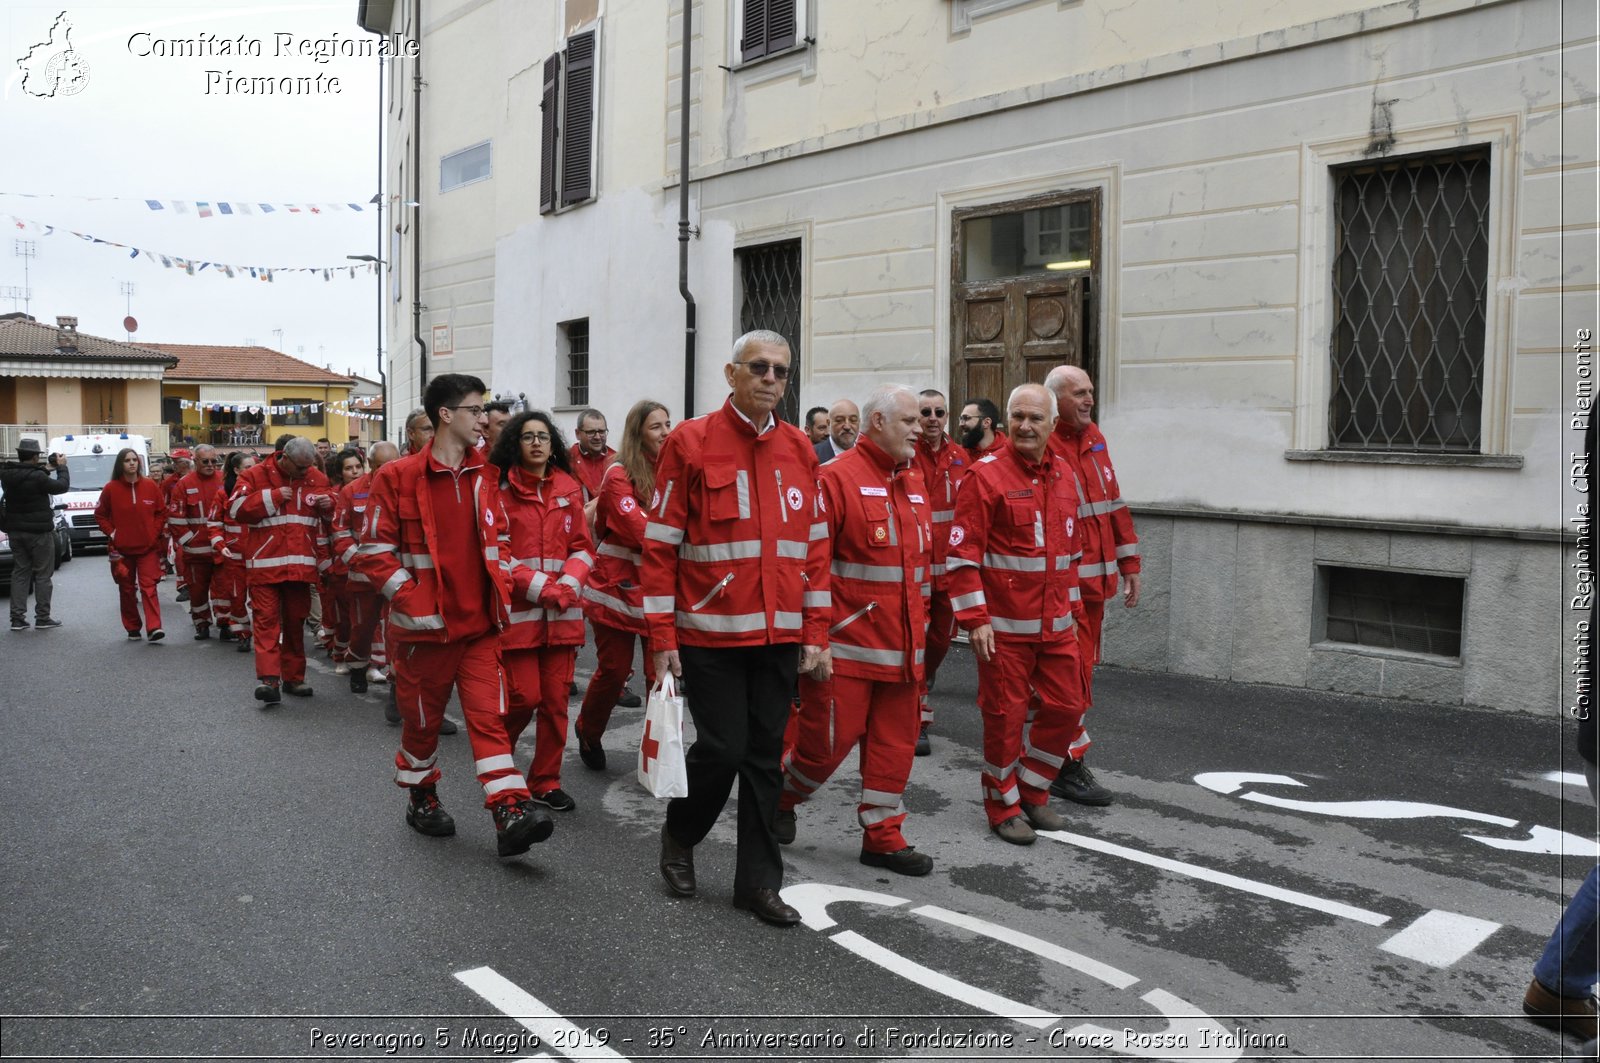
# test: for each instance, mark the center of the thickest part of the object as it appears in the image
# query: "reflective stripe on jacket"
(880, 531)
(942, 471)
(195, 493)
(281, 536)
(550, 548)
(736, 552)
(613, 595)
(1014, 549)
(398, 546)
(1106, 533)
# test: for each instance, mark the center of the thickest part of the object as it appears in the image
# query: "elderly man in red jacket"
(283, 504)
(437, 546)
(1110, 549)
(736, 597)
(195, 491)
(1014, 587)
(879, 524)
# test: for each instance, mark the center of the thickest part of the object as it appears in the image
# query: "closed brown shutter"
(769, 26)
(547, 135)
(754, 43)
(577, 138)
(780, 25)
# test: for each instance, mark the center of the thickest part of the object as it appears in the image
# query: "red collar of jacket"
(880, 458)
(1031, 468)
(1078, 439)
(555, 483)
(472, 459)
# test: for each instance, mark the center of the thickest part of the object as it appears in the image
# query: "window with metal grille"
(1409, 279)
(770, 277)
(1394, 610)
(575, 338)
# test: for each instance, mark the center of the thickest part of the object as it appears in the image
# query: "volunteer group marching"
(807, 606)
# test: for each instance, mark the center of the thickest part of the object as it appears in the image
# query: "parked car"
(63, 537)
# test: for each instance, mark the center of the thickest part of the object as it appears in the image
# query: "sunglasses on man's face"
(761, 369)
(933, 411)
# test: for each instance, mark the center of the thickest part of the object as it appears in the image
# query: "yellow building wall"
(335, 426)
(144, 402)
(31, 400)
(63, 402)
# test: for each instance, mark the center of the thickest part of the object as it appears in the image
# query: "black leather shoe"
(1077, 783)
(784, 827)
(768, 907)
(245, 645)
(592, 754)
(358, 680)
(906, 861)
(677, 865)
(518, 826)
(447, 726)
(426, 815)
(923, 747)
(155, 636)
(299, 690)
(267, 691)
(202, 632)
(629, 700)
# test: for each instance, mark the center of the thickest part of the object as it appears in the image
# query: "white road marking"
(943, 984)
(1544, 840)
(1229, 782)
(1439, 938)
(1028, 943)
(533, 1015)
(1566, 778)
(811, 900)
(1221, 878)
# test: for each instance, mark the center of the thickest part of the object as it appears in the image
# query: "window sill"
(799, 59)
(1409, 656)
(1383, 457)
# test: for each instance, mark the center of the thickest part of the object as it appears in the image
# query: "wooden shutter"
(577, 134)
(781, 32)
(547, 135)
(753, 45)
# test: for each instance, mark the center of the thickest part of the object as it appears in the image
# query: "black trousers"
(739, 700)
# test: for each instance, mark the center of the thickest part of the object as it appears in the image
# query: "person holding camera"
(29, 520)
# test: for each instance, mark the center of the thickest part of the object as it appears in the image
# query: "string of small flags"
(194, 266)
(214, 208)
(342, 407)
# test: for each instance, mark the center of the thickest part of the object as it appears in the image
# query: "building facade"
(1325, 262)
(235, 397)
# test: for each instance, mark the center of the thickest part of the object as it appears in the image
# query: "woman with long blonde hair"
(613, 600)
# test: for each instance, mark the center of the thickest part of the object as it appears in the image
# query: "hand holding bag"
(661, 766)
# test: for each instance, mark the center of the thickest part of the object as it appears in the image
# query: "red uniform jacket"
(401, 552)
(226, 534)
(977, 454)
(942, 471)
(349, 516)
(590, 471)
(736, 551)
(613, 596)
(133, 516)
(195, 493)
(281, 538)
(881, 533)
(551, 555)
(1105, 524)
(1014, 549)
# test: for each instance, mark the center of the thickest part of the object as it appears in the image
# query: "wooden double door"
(1014, 331)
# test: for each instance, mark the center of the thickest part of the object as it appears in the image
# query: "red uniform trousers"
(540, 678)
(280, 609)
(878, 718)
(1094, 612)
(336, 594)
(201, 573)
(614, 648)
(137, 576)
(228, 584)
(1012, 763)
(364, 606)
(424, 673)
(941, 629)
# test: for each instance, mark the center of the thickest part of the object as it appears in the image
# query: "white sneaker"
(377, 675)
(341, 669)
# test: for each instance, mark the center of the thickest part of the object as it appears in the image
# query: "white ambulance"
(91, 460)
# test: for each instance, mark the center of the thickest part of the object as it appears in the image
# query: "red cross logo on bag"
(649, 749)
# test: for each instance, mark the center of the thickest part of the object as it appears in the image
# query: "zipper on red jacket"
(703, 602)
(853, 617)
(783, 506)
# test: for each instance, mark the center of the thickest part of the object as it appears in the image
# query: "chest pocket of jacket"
(409, 512)
(722, 491)
(1019, 513)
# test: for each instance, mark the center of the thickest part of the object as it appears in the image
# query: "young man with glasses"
(195, 492)
(735, 578)
(437, 546)
(590, 455)
(981, 433)
(942, 463)
(284, 504)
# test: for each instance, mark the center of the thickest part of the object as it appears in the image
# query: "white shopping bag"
(661, 767)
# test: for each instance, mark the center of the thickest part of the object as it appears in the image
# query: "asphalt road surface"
(1283, 875)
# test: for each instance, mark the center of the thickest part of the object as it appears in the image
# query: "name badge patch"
(917, 499)
(876, 492)
(1019, 494)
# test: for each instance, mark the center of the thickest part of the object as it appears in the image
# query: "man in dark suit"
(844, 424)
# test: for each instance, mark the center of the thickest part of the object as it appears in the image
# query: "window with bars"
(575, 339)
(769, 275)
(1394, 610)
(1410, 277)
(567, 124)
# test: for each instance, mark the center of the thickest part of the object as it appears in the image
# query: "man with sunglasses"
(735, 578)
(437, 545)
(195, 493)
(284, 503)
(942, 463)
(590, 455)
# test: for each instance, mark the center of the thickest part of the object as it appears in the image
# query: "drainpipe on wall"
(683, 224)
(416, 217)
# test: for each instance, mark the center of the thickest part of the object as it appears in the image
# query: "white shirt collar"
(764, 429)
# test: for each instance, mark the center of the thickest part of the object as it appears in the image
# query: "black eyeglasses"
(210, 461)
(476, 411)
(760, 368)
(592, 431)
(933, 411)
(535, 437)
